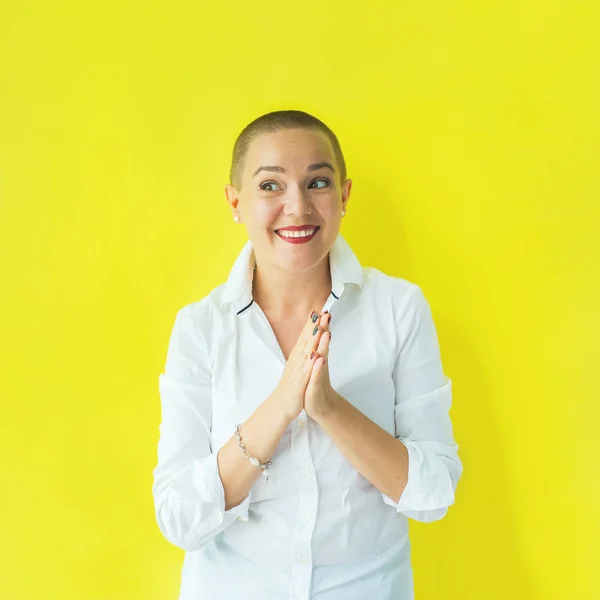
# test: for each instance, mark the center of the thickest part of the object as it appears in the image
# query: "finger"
(304, 339)
(314, 338)
(312, 322)
(310, 362)
(324, 321)
(318, 369)
(324, 343)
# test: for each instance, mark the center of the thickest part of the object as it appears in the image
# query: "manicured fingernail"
(315, 317)
(311, 355)
(315, 330)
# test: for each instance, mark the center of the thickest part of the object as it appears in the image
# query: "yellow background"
(472, 133)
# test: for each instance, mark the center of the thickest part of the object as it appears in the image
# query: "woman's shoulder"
(398, 296)
(392, 287)
(204, 313)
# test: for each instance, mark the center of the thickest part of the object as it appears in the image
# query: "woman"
(289, 462)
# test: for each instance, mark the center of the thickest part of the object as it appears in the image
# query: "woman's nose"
(296, 202)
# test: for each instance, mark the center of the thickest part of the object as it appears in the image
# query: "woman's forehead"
(290, 145)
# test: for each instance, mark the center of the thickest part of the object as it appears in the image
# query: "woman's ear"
(346, 193)
(232, 196)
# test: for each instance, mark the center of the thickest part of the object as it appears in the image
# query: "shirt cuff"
(239, 512)
(429, 490)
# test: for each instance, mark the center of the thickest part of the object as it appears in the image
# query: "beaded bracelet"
(252, 459)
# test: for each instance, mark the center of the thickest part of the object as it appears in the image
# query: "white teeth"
(297, 234)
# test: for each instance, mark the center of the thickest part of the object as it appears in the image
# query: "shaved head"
(275, 121)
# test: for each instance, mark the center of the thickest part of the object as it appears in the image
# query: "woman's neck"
(280, 292)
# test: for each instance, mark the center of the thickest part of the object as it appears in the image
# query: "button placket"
(307, 505)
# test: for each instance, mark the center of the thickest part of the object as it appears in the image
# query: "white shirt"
(317, 529)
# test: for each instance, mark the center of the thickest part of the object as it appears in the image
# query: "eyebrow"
(276, 169)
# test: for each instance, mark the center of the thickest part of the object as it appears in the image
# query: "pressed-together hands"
(305, 383)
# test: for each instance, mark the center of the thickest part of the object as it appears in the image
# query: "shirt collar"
(344, 268)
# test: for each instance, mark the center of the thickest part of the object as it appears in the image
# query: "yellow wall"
(472, 134)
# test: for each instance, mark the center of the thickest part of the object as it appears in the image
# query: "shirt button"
(301, 423)
(306, 471)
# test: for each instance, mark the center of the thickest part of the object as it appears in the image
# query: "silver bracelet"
(252, 459)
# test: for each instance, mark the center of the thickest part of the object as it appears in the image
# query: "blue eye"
(324, 181)
(267, 183)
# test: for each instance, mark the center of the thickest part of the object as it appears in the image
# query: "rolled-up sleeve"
(423, 398)
(188, 493)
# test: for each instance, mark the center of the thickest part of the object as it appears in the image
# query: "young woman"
(289, 462)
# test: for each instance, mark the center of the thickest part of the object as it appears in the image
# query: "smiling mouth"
(297, 237)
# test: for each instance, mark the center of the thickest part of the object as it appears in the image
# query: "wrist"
(278, 410)
(328, 408)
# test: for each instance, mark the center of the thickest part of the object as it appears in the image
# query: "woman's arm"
(199, 491)
(188, 494)
(373, 452)
(418, 469)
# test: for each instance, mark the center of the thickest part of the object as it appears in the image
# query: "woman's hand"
(292, 386)
(320, 397)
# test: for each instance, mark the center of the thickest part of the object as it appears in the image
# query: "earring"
(343, 213)
(236, 219)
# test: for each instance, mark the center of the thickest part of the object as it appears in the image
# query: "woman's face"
(290, 178)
